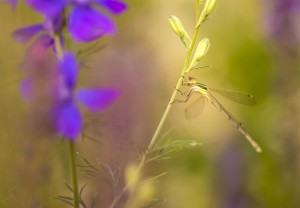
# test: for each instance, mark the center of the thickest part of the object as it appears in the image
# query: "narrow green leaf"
(65, 201)
(82, 188)
(87, 162)
(155, 177)
(68, 186)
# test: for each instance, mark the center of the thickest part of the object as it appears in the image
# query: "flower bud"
(207, 10)
(201, 50)
(177, 26)
(179, 30)
(211, 4)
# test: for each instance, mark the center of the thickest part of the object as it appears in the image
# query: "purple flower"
(54, 83)
(68, 118)
(85, 23)
(50, 26)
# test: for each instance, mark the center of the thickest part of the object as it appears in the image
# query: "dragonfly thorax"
(195, 84)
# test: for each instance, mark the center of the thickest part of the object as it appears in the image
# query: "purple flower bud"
(69, 70)
(69, 121)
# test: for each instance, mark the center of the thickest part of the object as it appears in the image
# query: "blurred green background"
(254, 48)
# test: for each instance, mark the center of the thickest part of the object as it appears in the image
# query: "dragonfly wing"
(246, 99)
(195, 108)
(221, 108)
(235, 122)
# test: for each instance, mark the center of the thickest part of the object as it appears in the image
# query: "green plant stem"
(59, 53)
(155, 137)
(74, 174)
(58, 47)
(183, 72)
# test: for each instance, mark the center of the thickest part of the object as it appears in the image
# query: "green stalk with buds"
(189, 44)
(190, 64)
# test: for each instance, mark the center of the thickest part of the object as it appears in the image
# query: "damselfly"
(206, 94)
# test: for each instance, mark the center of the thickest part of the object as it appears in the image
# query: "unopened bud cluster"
(203, 45)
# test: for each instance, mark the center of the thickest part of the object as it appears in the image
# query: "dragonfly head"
(191, 81)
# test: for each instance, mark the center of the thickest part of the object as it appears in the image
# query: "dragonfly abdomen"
(250, 139)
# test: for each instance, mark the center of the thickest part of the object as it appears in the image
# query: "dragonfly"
(206, 95)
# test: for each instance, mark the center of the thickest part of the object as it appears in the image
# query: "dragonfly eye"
(191, 81)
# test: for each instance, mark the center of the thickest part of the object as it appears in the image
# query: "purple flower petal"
(114, 6)
(97, 99)
(87, 24)
(47, 7)
(25, 34)
(69, 121)
(69, 69)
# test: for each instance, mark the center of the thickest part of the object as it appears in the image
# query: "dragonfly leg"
(182, 93)
(183, 81)
(188, 96)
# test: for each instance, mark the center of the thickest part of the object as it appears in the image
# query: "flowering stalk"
(167, 110)
(59, 52)
(186, 68)
(85, 23)
(179, 30)
(182, 74)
